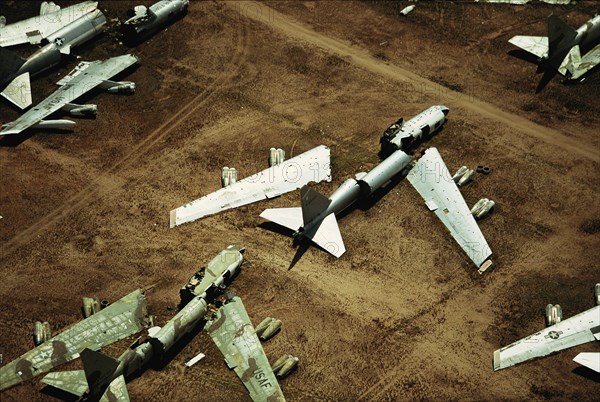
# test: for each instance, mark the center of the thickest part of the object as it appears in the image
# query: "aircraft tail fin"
(558, 32)
(18, 91)
(98, 369)
(313, 203)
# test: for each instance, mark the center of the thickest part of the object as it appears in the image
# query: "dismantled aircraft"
(104, 378)
(565, 50)
(16, 71)
(144, 22)
(121, 319)
(233, 333)
(281, 178)
(561, 334)
(35, 29)
(589, 360)
(85, 77)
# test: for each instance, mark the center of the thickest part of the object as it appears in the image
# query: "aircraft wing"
(119, 320)
(581, 328)
(589, 360)
(312, 165)
(73, 382)
(85, 77)
(431, 178)
(52, 18)
(589, 61)
(234, 335)
(537, 45)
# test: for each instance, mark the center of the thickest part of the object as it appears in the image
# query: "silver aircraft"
(16, 72)
(35, 29)
(145, 22)
(563, 334)
(85, 77)
(565, 50)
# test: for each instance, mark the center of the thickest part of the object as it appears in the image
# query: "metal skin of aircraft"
(35, 29)
(85, 77)
(589, 360)
(103, 378)
(579, 329)
(17, 71)
(121, 319)
(312, 165)
(315, 219)
(145, 22)
(432, 180)
(565, 50)
(235, 336)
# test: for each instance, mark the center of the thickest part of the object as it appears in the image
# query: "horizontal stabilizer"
(586, 63)
(290, 218)
(19, 91)
(537, 45)
(328, 236)
(116, 391)
(589, 360)
(73, 382)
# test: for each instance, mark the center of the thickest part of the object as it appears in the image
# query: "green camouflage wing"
(234, 335)
(119, 320)
(116, 391)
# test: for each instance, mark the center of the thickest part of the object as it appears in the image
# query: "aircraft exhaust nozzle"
(284, 365)
(123, 87)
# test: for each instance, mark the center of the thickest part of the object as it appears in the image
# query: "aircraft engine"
(41, 332)
(482, 208)
(84, 110)
(553, 314)
(284, 365)
(273, 327)
(460, 173)
(123, 87)
(91, 305)
(597, 294)
(466, 178)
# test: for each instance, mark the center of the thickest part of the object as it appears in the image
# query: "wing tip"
(497, 361)
(172, 219)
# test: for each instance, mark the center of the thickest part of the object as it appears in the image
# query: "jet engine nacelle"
(482, 208)
(597, 294)
(122, 87)
(84, 110)
(284, 365)
(41, 332)
(268, 328)
(91, 305)
(553, 314)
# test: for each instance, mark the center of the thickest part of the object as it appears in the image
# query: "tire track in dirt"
(90, 192)
(361, 58)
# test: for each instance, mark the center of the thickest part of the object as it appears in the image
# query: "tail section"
(99, 370)
(19, 91)
(327, 236)
(313, 203)
(73, 382)
(10, 63)
(290, 218)
(559, 33)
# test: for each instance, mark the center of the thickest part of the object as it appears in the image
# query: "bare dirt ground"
(403, 315)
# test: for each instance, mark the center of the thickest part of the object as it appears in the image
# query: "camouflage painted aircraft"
(118, 321)
(234, 335)
(103, 377)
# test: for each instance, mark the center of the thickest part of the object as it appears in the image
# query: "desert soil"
(403, 314)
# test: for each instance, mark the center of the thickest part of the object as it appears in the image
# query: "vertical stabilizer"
(313, 203)
(99, 370)
(559, 33)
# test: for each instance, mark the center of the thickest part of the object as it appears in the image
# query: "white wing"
(312, 165)
(537, 45)
(589, 360)
(52, 18)
(74, 85)
(579, 329)
(431, 178)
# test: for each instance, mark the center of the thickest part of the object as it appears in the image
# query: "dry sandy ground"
(403, 315)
